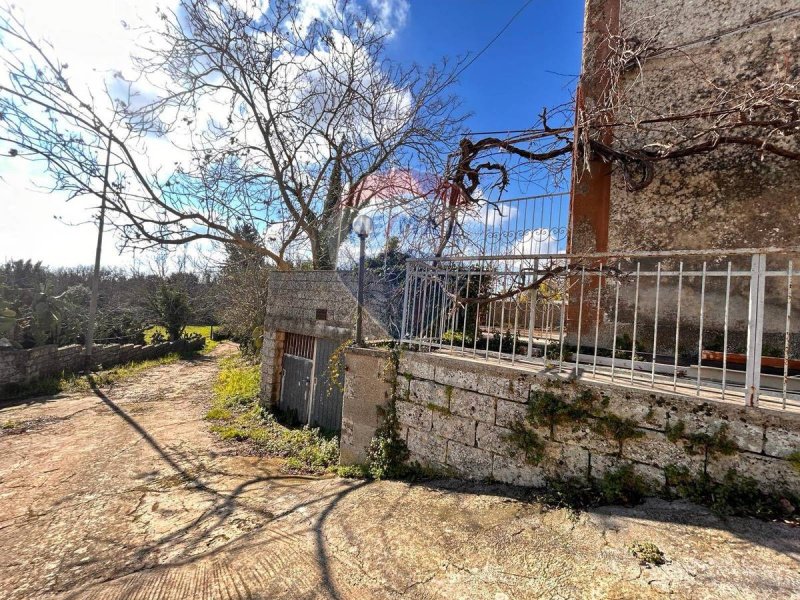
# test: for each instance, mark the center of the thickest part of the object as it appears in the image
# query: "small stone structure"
(19, 367)
(321, 304)
(456, 414)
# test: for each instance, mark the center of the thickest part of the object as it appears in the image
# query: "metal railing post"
(404, 319)
(755, 328)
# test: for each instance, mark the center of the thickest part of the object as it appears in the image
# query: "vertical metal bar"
(597, 320)
(616, 321)
(655, 327)
(466, 308)
(404, 320)
(755, 329)
(700, 336)
(677, 328)
(788, 331)
(580, 320)
(502, 318)
(534, 302)
(413, 315)
(725, 331)
(635, 317)
(516, 320)
(561, 325)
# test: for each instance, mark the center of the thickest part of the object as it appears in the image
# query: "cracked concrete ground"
(124, 493)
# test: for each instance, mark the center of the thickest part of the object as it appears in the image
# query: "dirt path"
(125, 494)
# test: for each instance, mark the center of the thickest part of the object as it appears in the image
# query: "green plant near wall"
(710, 445)
(794, 460)
(528, 441)
(618, 429)
(736, 494)
(387, 452)
(548, 409)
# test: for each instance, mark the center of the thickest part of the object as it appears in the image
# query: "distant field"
(204, 330)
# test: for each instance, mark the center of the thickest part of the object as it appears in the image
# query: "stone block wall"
(19, 367)
(457, 415)
(321, 304)
(368, 388)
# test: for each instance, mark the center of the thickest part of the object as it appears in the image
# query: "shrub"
(648, 554)
(622, 486)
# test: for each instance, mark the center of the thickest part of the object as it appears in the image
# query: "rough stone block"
(413, 415)
(566, 461)
(473, 405)
(515, 387)
(509, 412)
(653, 476)
(494, 439)
(426, 447)
(412, 363)
(646, 413)
(427, 393)
(781, 441)
(470, 462)
(655, 449)
(511, 470)
(772, 474)
(454, 428)
(457, 377)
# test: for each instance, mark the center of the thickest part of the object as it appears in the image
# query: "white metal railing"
(711, 324)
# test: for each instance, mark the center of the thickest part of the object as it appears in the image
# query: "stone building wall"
(321, 304)
(730, 197)
(19, 367)
(457, 415)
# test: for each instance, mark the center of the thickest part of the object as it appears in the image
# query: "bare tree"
(277, 120)
(622, 125)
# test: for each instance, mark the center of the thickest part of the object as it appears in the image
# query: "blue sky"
(510, 83)
(531, 65)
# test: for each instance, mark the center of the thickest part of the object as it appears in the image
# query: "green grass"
(238, 416)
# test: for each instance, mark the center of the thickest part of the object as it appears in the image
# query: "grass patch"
(204, 330)
(239, 417)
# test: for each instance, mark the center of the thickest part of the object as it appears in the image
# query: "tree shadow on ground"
(223, 506)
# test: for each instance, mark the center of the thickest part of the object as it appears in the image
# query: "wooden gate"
(309, 395)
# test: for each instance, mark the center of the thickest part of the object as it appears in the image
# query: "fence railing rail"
(707, 323)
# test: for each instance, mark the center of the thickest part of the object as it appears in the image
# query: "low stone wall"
(458, 415)
(19, 367)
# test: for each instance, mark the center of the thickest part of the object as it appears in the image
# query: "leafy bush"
(172, 310)
(622, 486)
(387, 452)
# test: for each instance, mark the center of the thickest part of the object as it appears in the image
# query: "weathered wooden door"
(296, 376)
(326, 405)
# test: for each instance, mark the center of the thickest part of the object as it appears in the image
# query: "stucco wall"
(730, 197)
(457, 414)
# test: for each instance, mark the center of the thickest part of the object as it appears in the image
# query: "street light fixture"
(362, 227)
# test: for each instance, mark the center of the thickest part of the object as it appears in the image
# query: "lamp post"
(362, 226)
